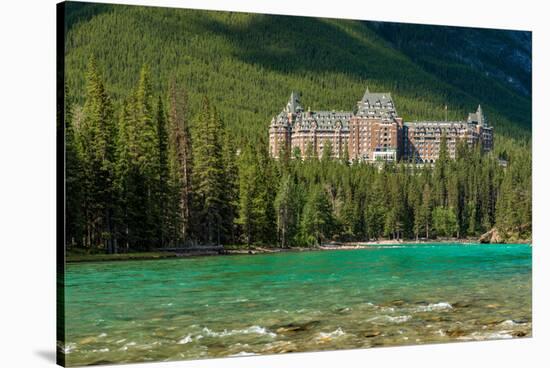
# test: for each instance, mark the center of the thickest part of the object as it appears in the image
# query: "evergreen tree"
(181, 161)
(209, 173)
(136, 182)
(440, 173)
(285, 206)
(444, 221)
(73, 178)
(310, 152)
(164, 192)
(423, 213)
(147, 162)
(375, 210)
(264, 199)
(326, 155)
(345, 155)
(230, 192)
(317, 221)
(96, 139)
(123, 184)
(247, 187)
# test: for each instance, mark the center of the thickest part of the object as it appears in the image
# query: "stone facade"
(374, 132)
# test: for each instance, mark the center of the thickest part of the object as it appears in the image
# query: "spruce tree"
(230, 200)
(181, 161)
(73, 178)
(96, 139)
(286, 209)
(163, 188)
(247, 187)
(317, 221)
(326, 155)
(147, 161)
(208, 173)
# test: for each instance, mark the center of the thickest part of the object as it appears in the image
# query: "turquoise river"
(190, 308)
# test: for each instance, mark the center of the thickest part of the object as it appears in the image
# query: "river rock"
(460, 305)
(343, 310)
(101, 362)
(519, 334)
(436, 318)
(370, 334)
(87, 340)
(297, 327)
(455, 333)
(395, 303)
(494, 322)
(279, 347)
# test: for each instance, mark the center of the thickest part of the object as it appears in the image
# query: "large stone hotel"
(374, 133)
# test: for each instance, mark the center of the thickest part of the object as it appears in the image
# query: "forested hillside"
(249, 63)
(166, 122)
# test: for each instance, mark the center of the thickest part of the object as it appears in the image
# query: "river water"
(190, 308)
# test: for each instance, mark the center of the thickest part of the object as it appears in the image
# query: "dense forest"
(166, 131)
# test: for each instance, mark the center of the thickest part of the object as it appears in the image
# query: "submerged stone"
(494, 322)
(370, 334)
(87, 340)
(101, 362)
(396, 303)
(519, 334)
(461, 305)
(297, 327)
(455, 333)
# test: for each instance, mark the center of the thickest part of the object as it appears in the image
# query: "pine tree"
(147, 162)
(230, 188)
(264, 198)
(163, 188)
(345, 155)
(297, 154)
(123, 179)
(73, 178)
(209, 173)
(181, 160)
(310, 152)
(96, 139)
(326, 155)
(317, 221)
(247, 186)
(423, 213)
(375, 210)
(286, 209)
(440, 173)
(444, 221)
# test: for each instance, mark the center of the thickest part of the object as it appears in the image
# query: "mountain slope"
(249, 63)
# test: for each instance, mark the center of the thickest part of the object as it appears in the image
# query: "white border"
(27, 180)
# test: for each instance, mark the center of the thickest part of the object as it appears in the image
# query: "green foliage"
(96, 147)
(180, 165)
(287, 207)
(317, 222)
(256, 197)
(73, 178)
(209, 172)
(249, 63)
(444, 221)
(149, 164)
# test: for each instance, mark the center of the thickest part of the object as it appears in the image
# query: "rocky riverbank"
(235, 250)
